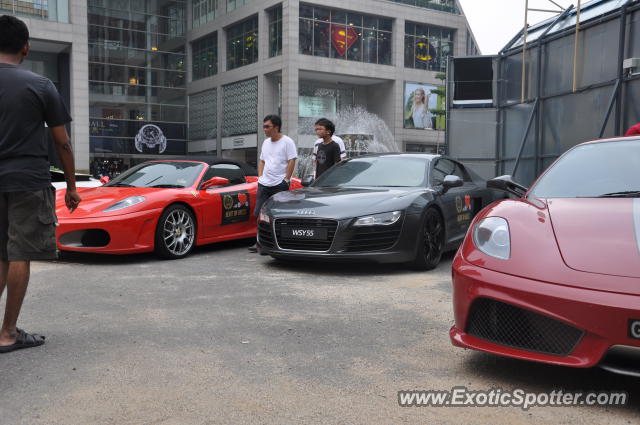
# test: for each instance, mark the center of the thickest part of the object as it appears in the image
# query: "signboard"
(317, 106)
(240, 142)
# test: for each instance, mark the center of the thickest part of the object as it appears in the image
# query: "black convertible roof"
(247, 169)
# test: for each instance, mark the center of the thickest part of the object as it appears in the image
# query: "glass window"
(609, 169)
(232, 172)
(275, 31)
(203, 11)
(441, 169)
(445, 167)
(442, 5)
(427, 47)
(242, 43)
(205, 57)
(345, 35)
(306, 37)
(39, 9)
(234, 4)
(390, 171)
(136, 77)
(179, 174)
(306, 11)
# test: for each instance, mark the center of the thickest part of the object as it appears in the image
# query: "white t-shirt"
(276, 156)
(338, 140)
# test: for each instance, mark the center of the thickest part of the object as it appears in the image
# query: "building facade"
(310, 59)
(59, 51)
(154, 78)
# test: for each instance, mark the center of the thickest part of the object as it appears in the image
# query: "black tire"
(175, 233)
(430, 241)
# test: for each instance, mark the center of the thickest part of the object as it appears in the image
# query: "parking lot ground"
(229, 337)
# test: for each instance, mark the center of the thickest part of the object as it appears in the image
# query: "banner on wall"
(343, 37)
(150, 136)
(420, 102)
(425, 52)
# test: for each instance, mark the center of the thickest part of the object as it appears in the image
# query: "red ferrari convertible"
(164, 206)
(554, 275)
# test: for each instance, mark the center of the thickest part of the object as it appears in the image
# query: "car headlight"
(491, 236)
(264, 217)
(126, 203)
(384, 219)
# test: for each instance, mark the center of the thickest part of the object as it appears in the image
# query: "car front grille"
(516, 327)
(373, 238)
(306, 245)
(265, 235)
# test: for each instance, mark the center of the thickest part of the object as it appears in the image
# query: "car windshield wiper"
(121, 185)
(168, 186)
(624, 194)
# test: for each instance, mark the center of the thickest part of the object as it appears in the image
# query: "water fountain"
(362, 132)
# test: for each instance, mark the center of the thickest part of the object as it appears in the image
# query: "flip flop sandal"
(23, 340)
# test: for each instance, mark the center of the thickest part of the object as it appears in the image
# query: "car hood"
(600, 235)
(340, 202)
(96, 199)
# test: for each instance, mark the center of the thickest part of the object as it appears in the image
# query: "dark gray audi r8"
(382, 207)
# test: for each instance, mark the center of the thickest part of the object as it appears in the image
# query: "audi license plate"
(304, 233)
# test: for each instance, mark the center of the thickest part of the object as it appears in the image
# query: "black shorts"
(28, 225)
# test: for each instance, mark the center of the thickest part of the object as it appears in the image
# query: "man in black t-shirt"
(326, 152)
(27, 199)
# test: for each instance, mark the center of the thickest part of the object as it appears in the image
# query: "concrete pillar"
(290, 71)
(79, 107)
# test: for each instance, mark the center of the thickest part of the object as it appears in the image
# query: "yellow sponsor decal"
(227, 202)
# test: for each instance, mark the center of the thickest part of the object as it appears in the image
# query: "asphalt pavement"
(229, 337)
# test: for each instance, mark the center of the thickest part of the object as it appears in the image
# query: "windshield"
(381, 171)
(159, 174)
(593, 170)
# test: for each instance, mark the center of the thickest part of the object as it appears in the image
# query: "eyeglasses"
(267, 126)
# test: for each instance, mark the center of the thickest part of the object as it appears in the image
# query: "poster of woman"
(418, 103)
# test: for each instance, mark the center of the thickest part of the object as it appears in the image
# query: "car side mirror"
(506, 184)
(215, 182)
(307, 181)
(450, 182)
(104, 179)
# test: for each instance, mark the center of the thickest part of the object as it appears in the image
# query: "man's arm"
(260, 167)
(337, 154)
(65, 154)
(291, 165)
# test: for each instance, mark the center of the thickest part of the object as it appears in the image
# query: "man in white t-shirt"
(276, 164)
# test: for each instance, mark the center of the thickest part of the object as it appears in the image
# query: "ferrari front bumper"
(596, 320)
(119, 234)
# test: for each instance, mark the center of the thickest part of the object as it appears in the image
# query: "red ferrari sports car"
(554, 274)
(164, 206)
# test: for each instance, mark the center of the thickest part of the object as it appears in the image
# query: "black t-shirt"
(27, 102)
(327, 156)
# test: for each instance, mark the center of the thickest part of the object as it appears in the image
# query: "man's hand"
(72, 200)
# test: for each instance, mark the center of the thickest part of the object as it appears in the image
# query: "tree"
(440, 111)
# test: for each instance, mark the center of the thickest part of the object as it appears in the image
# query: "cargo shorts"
(28, 225)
